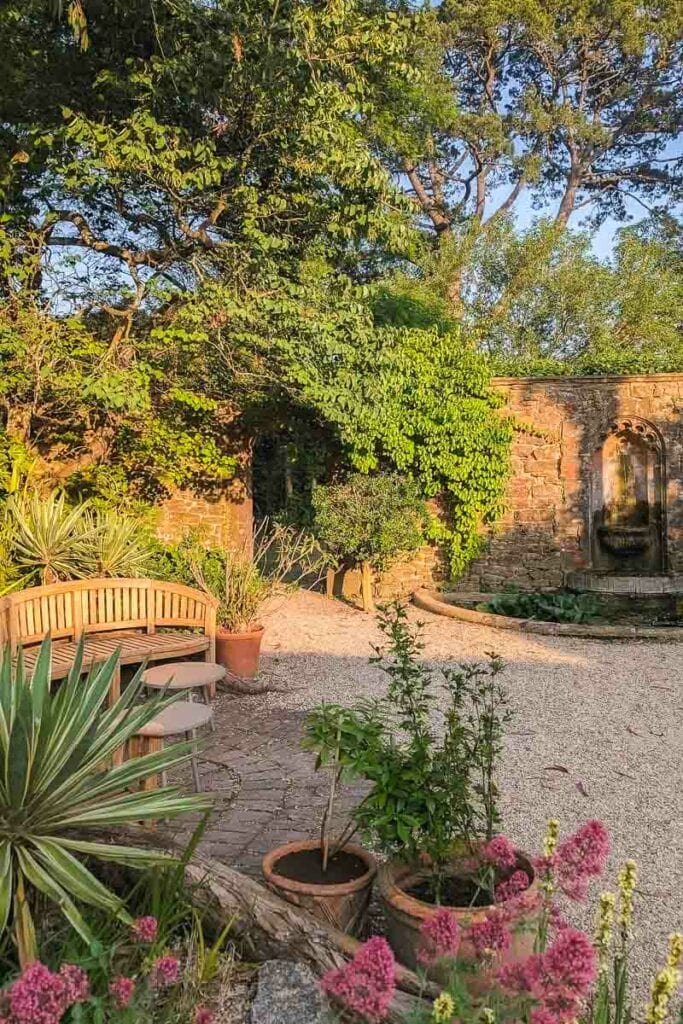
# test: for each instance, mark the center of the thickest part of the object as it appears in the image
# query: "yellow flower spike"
(628, 879)
(603, 929)
(443, 1009)
(675, 957)
(550, 841)
(663, 987)
(487, 1016)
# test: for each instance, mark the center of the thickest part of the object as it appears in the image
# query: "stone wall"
(564, 421)
(223, 515)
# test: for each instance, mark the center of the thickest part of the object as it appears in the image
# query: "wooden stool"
(186, 675)
(182, 717)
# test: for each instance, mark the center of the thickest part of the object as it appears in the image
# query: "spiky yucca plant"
(47, 537)
(57, 781)
(117, 545)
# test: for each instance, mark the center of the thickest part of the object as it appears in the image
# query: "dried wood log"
(270, 928)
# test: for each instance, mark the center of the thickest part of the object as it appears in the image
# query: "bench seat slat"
(134, 649)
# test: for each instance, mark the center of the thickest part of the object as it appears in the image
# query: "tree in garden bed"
(368, 521)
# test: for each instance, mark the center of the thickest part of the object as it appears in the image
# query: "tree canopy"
(220, 219)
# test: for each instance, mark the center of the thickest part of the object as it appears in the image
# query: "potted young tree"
(367, 521)
(330, 877)
(242, 581)
(432, 804)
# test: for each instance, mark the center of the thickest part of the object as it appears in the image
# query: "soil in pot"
(307, 866)
(338, 896)
(455, 892)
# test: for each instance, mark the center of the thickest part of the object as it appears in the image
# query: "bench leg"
(115, 688)
(192, 736)
(206, 693)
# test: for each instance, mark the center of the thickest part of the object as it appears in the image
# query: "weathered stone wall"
(544, 532)
(224, 516)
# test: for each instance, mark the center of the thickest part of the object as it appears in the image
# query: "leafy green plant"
(431, 788)
(57, 782)
(557, 606)
(243, 580)
(115, 545)
(370, 520)
(47, 538)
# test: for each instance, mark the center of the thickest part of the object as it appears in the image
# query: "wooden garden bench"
(111, 614)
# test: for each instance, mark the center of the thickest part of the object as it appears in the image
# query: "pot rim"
(392, 872)
(222, 633)
(335, 889)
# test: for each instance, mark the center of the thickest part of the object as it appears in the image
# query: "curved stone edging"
(444, 605)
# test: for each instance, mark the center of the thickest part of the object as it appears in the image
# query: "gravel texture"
(597, 732)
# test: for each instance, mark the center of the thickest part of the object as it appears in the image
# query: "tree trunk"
(366, 587)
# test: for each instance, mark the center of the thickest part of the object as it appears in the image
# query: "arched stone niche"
(628, 489)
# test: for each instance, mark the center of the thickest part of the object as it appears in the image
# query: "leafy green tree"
(575, 104)
(369, 521)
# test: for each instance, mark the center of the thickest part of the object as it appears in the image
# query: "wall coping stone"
(597, 378)
(443, 605)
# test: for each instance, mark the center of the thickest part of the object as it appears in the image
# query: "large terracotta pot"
(239, 653)
(405, 915)
(343, 903)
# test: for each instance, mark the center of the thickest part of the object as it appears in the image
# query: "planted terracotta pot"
(339, 897)
(239, 653)
(406, 913)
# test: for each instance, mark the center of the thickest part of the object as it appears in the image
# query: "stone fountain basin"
(625, 540)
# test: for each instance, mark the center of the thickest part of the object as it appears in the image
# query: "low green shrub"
(558, 606)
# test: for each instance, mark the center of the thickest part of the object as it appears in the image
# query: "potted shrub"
(367, 521)
(331, 878)
(243, 580)
(432, 804)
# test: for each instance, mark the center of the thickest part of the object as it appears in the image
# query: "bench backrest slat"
(90, 606)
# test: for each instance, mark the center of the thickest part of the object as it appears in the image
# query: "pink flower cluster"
(41, 996)
(164, 971)
(509, 888)
(122, 990)
(144, 929)
(203, 1015)
(501, 852)
(440, 935)
(558, 980)
(491, 935)
(581, 857)
(366, 985)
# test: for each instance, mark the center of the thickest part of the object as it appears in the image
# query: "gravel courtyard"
(596, 733)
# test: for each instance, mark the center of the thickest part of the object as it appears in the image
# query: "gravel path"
(597, 732)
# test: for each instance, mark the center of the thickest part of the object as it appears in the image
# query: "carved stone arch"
(628, 493)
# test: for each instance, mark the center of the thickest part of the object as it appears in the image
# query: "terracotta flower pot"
(239, 653)
(405, 915)
(342, 901)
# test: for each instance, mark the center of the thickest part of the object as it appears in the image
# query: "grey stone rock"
(288, 993)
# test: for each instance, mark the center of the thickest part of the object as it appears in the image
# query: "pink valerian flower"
(145, 929)
(540, 1015)
(501, 852)
(122, 990)
(164, 971)
(38, 996)
(440, 934)
(367, 984)
(203, 1015)
(556, 919)
(581, 857)
(77, 984)
(491, 935)
(517, 883)
(559, 979)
